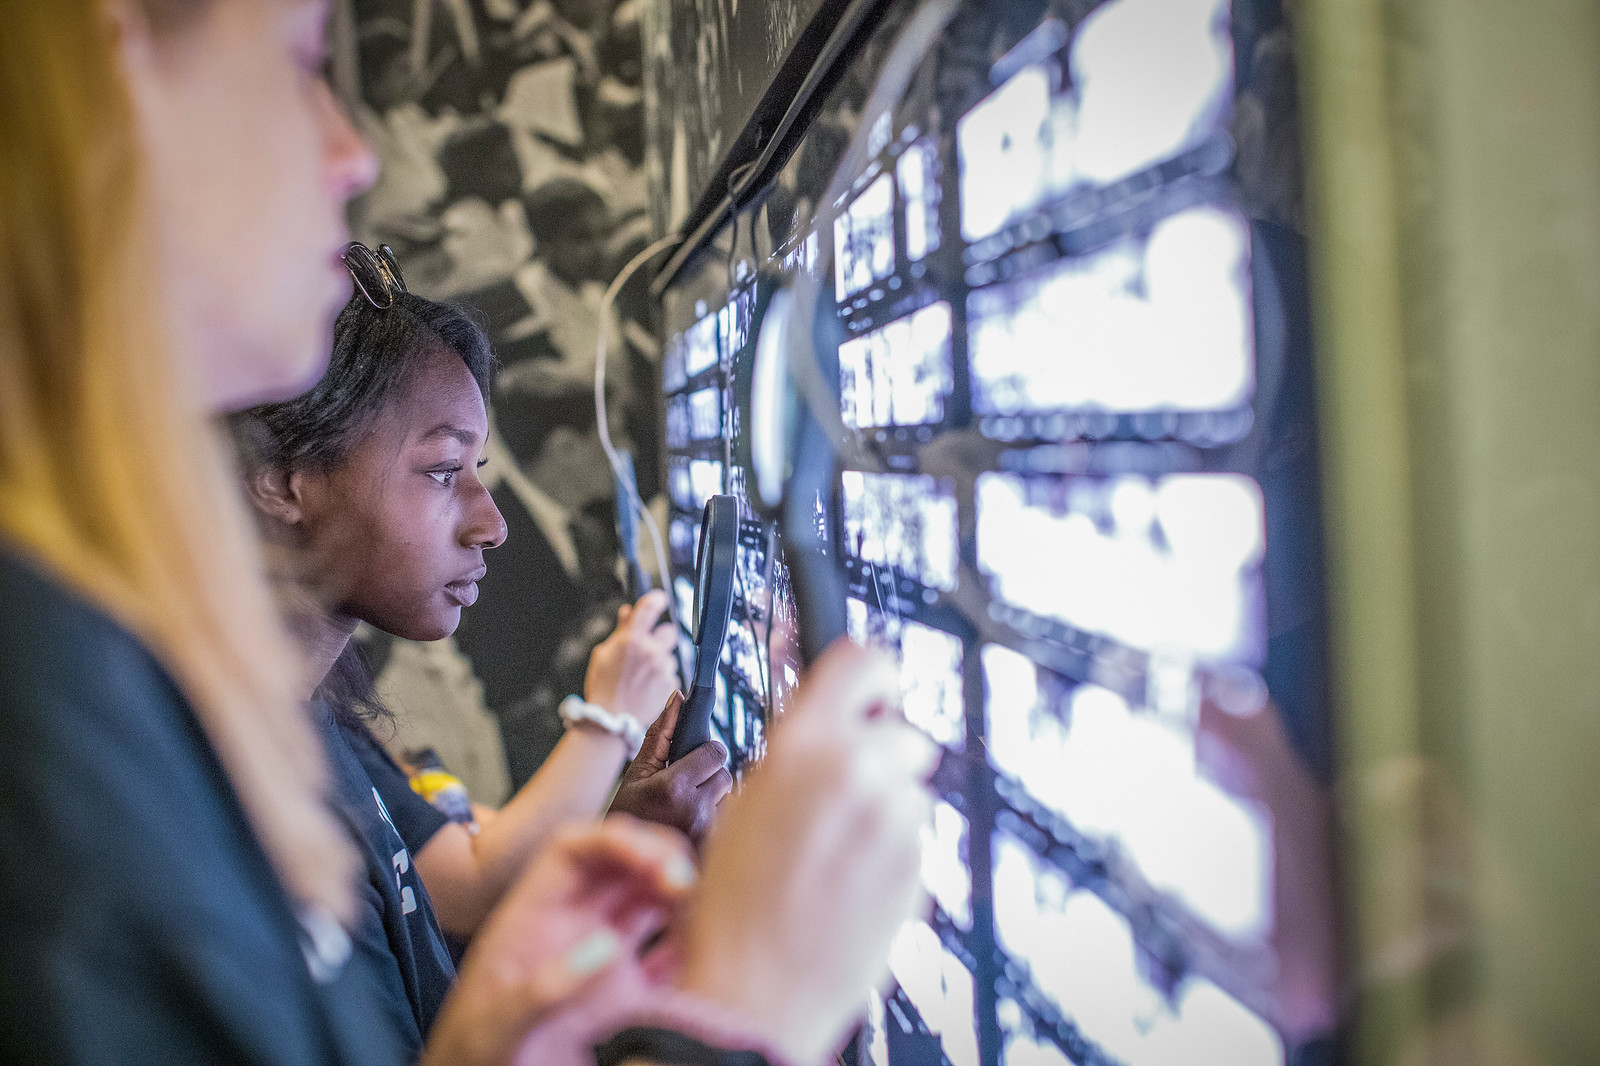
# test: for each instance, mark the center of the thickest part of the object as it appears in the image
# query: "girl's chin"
(447, 625)
(436, 626)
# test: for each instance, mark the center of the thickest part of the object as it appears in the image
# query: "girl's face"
(396, 533)
(249, 162)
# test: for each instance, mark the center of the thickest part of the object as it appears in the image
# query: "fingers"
(685, 794)
(663, 961)
(584, 907)
(495, 1004)
(895, 750)
(655, 855)
(707, 797)
(701, 764)
(652, 757)
(665, 637)
(852, 694)
(717, 786)
(562, 979)
(634, 669)
(647, 612)
(848, 684)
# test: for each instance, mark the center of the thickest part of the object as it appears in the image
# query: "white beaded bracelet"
(575, 709)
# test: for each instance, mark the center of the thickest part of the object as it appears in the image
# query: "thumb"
(652, 757)
(523, 994)
(555, 982)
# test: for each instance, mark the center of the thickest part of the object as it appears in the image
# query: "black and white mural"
(707, 64)
(512, 138)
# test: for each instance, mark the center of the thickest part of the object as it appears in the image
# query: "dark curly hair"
(375, 352)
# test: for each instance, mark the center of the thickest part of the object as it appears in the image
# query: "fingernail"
(593, 953)
(679, 872)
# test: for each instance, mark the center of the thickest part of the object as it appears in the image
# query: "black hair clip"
(376, 274)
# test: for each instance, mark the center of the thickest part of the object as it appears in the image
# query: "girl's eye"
(445, 477)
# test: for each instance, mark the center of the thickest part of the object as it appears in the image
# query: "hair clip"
(376, 274)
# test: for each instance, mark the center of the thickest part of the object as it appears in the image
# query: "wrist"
(579, 713)
(708, 1022)
(741, 1005)
(618, 704)
(592, 737)
(666, 1046)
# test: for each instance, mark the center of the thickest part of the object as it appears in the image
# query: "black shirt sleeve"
(140, 921)
(415, 819)
(400, 952)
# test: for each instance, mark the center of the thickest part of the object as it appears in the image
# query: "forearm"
(572, 785)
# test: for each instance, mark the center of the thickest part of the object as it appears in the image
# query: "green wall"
(1455, 185)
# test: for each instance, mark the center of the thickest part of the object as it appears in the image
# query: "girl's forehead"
(440, 392)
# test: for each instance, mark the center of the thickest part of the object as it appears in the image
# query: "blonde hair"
(113, 476)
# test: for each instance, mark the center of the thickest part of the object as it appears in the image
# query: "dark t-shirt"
(140, 921)
(400, 953)
(414, 818)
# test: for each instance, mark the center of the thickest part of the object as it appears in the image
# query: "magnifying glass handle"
(819, 596)
(694, 722)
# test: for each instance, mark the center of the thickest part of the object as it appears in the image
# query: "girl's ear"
(277, 494)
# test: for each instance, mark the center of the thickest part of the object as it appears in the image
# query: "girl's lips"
(464, 593)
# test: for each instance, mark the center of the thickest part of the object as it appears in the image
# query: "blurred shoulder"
(57, 647)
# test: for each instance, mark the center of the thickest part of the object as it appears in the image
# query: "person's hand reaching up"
(812, 869)
(635, 669)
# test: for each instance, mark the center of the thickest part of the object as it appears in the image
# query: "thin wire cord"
(604, 425)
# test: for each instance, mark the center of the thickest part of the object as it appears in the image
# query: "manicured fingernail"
(593, 953)
(679, 872)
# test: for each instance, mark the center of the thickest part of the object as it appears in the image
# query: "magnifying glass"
(792, 463)
(715, 559)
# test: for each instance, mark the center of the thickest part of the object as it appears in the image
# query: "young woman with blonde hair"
(148, 235)
(172, 883)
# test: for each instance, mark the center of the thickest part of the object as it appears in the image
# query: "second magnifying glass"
(715, 560)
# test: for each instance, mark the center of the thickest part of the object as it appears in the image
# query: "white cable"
(604, 425)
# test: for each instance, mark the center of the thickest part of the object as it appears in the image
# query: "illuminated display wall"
(1074, 356)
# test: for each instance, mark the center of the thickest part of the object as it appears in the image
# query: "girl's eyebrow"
(445, 429)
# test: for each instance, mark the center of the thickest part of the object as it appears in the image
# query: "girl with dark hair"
(368, 484)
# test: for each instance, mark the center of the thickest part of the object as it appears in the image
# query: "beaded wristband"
(575, 709)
